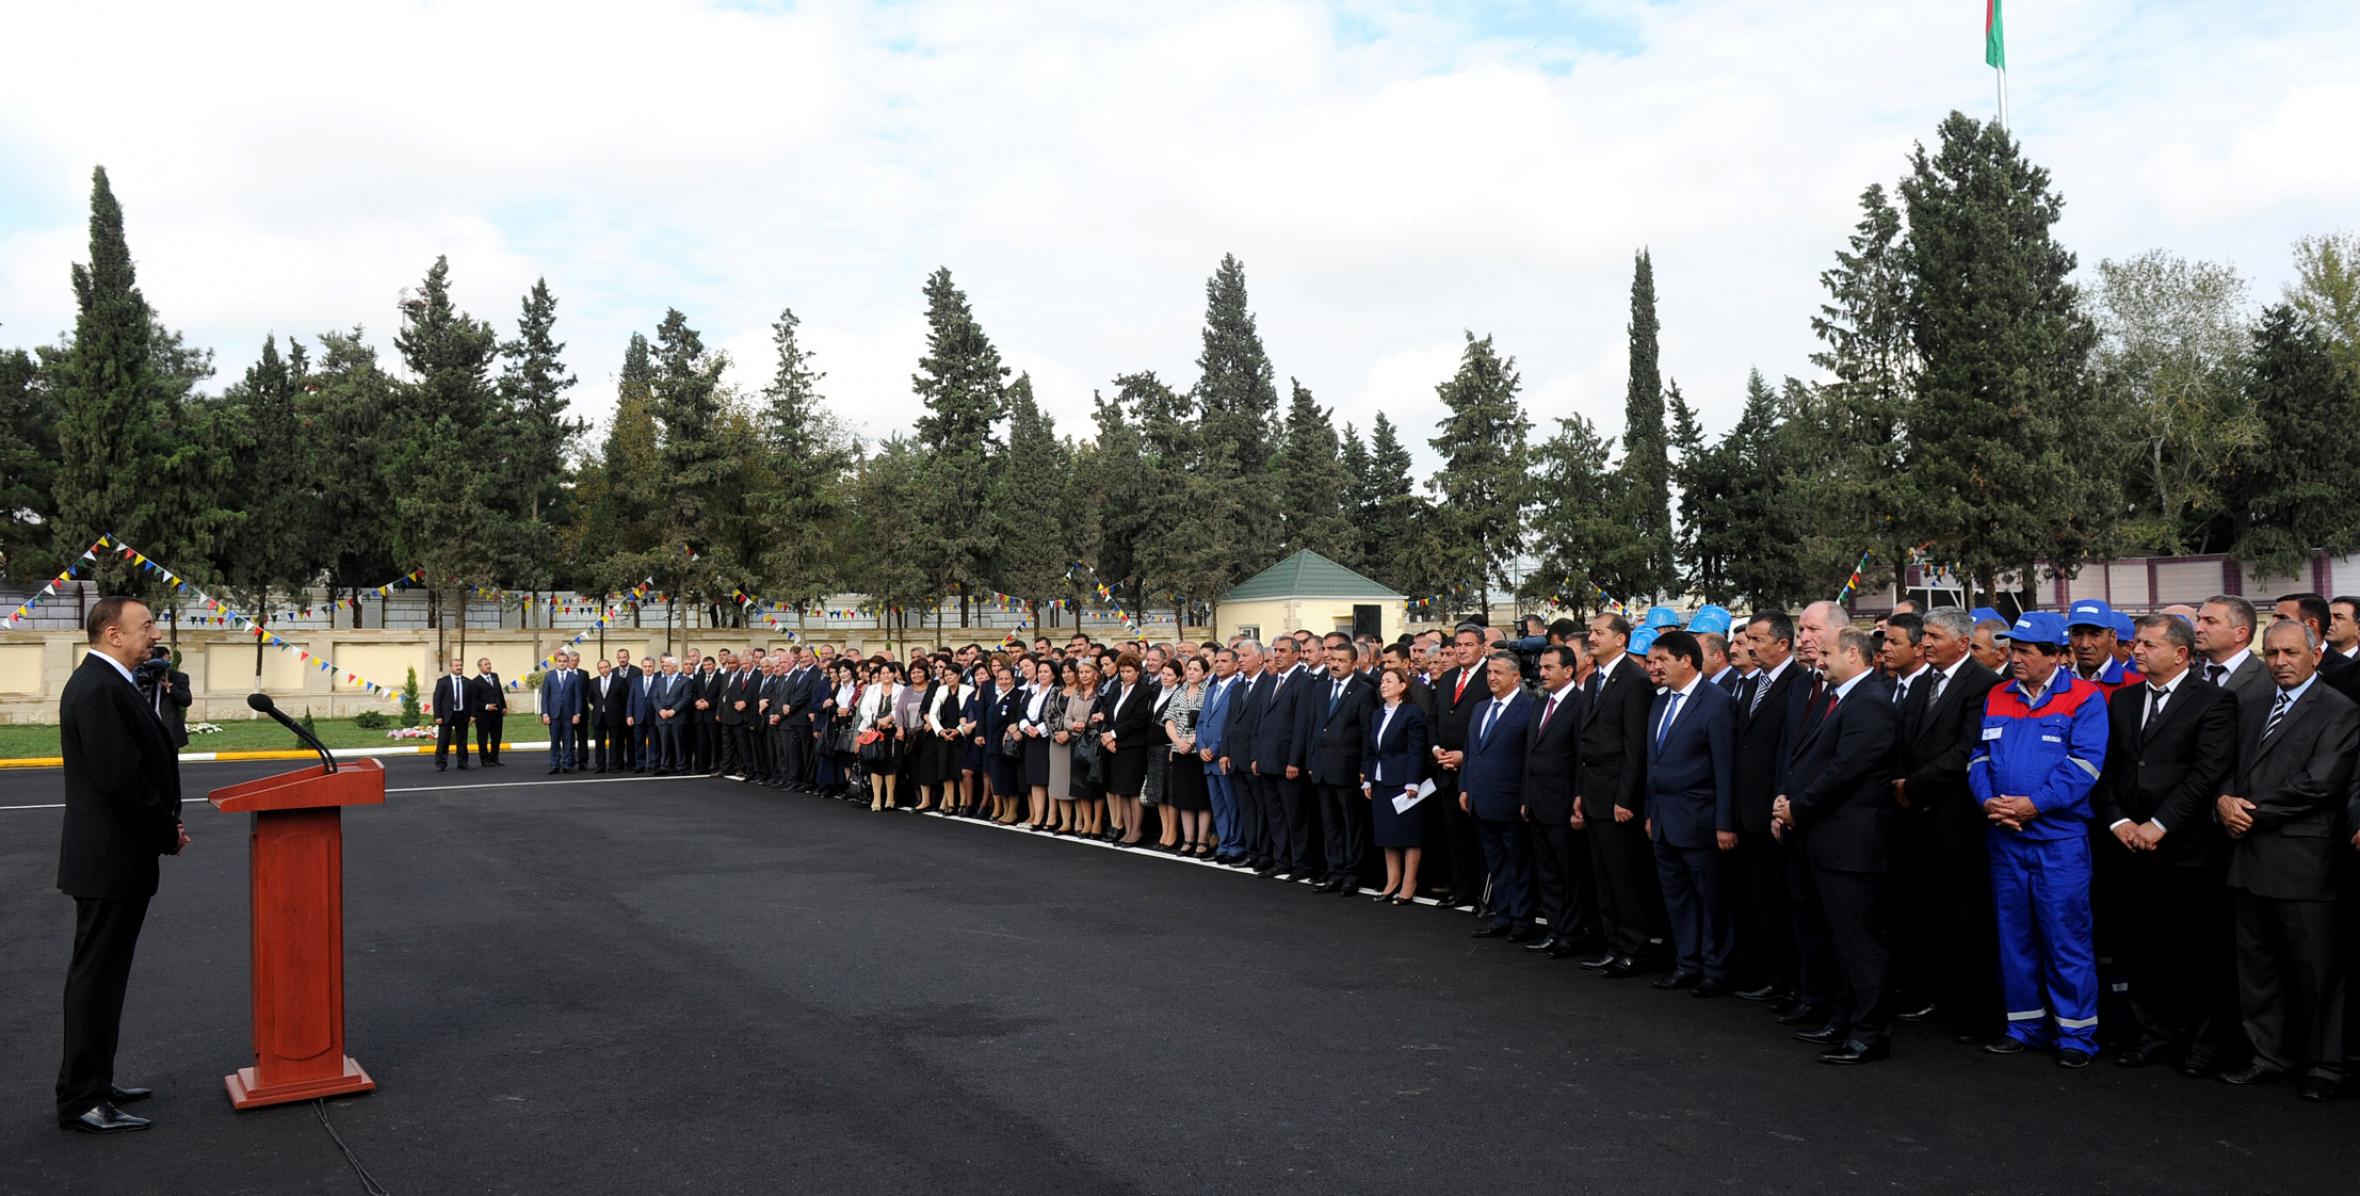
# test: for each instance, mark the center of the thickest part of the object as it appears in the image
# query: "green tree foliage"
(2172, 341)
(1482, 484)
(964, 387)
(538, 430)
(2326, 290)
(1034, 525)
(2290, 500)
(1237, 404)
(1646, 466)
(700, 494)
(28, 467)
(1758, 523)
(1576, 518)
(447, 496)
(890, 482)
(2005, 470)
(349, 400)
(1397, 530)
(623, 497)
(802, 469)
(1851, 475)
(1313, 483)
(279, 546)
(1111, 496)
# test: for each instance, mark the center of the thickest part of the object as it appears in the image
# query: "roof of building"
(1307, 575)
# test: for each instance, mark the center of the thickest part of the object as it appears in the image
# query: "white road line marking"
(447, 788)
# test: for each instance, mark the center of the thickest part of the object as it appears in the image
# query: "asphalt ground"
(698, 986)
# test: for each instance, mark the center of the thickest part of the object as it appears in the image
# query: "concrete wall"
(1272, 616)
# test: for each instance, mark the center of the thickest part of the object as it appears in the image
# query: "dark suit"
(1764, 919)
(171, 702)
(1946, 934)
(122, 784)
(669, 692)
(608, 705)
(1840, 793)
(1334, 733)
(1560, 855)
(1691, 799)
(801, 694)
(726, 721)
(747, 687)
(452, 697)
(1492, 784)
(2282, 872)
(1247, 702)
(1277, 746)
(1615, 703)
(646, 750)
(1457, 692)
(704, 726)
(582, 730)
(490, 712)
(561, 703)
(2251, 682)
(2160, 915)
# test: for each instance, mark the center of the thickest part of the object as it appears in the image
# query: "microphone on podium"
(261, 701)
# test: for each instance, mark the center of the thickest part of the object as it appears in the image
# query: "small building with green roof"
(1308, 590)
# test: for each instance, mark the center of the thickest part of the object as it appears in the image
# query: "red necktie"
(1461, 690)
(1546, 711)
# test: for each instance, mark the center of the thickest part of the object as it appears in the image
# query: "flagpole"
(2003, 99)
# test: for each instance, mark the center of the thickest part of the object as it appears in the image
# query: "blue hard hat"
(2090, 612)
(1660, 616)
(1642, 640)
(1981, 613)
(2124, 628)
(1710, 618)
(2038, 627)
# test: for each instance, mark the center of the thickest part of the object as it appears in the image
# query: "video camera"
(155, 670)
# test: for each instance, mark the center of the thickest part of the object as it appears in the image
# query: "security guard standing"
(2042, 745)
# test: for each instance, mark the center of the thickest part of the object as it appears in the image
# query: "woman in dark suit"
(1395, 764)
(974, 688)
(1003, 706)
(1129, 733)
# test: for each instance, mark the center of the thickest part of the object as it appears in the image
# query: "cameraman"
(167, 693)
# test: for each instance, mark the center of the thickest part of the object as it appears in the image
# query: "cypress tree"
(350, 400)
(699, 485)
(1028, 503)
(450, 519)
(2292, 484)
(1395, 519)
(279, 546)
(539, 433)
(802, 472)
(1237, 403)
(1312, 482)
(1646, 467)
(1576, 525)
(625, 518)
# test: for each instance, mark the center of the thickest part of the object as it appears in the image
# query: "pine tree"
(1396, 522)
(1646, 468)
(1028, 504)
(894, 581)
(623, 497)
(803, 473)
(700, 487)
(280, 545)
(1237, 404)
(1360, 498)
(28, 465)
(1691, 467)
(1750, 514)
(2003, 472)
(350, 400)
(1312, 482)
(1482, 485)
(1858, 474)
(964, 387)
(1113, 496)
(450, 522)
(2291, 485)
(539, 433)
(1575, 518)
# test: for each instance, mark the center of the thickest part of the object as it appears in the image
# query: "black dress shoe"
(555, 771)
(1459, 901)
(1924, 1013)
(2317, 1088)
(2073, 1057)
(1547, 942)
(1265, 869)
(2138, 1056)
(1330, 886)
(1827, 1036)
(1623, 968)
(1806, 1015)
(103, 1118)
(1856, 1051)
(1678, 979)
(439, 768)
(1522, 934)
(1710, 988)
(1490, 930)
(125, 1096)
(2253, 1073)
(2005, 1044)
(1601, 963)
(1769, 992)
(2197, 1065)
(1563, 950)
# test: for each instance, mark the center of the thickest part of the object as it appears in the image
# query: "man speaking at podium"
(122, 811)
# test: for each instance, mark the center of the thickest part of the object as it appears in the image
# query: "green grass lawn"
(19, 740)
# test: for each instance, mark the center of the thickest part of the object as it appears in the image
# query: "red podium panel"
(297, 886)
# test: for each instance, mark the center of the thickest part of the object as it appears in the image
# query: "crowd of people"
(2078, 833)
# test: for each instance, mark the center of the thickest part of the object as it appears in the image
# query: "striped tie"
(1761, 690)
(2277, 714)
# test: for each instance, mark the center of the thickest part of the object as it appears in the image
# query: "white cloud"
(1391, 174)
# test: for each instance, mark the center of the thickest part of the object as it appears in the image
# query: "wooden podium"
(297, 886)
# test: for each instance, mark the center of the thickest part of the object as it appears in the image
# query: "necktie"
(1670, 710)
(1901, 695)
(2156, 696)
(1548, 710)
(2213, 673)
(2277, 713)
(1459, 691)
(1337, 698)
(1491, 716)
(1935, 695)
(1761, 690)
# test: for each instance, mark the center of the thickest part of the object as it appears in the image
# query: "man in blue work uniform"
(2090, 626)
(2043, 744)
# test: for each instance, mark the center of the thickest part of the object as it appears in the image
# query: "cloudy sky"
(1391, 174)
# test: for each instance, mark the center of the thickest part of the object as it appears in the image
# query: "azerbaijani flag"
(1995, 42)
